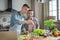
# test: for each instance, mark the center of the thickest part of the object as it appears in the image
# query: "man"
(17, 19)
(30, 28)
(35, 20)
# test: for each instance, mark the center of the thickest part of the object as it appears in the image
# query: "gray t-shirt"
(26, 26)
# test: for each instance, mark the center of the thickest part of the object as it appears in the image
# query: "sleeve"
(17, 19)
(37, 23)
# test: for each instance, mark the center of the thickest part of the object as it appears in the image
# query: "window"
(59, 8)
(54, 9)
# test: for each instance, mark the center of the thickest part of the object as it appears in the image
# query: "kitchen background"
(5, 18)
(41, 10)
(5, 9)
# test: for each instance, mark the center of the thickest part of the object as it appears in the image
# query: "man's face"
(30, 13)
(25, 9)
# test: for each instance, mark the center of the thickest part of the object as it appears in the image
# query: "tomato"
(32, 38)
(56, 34)
(26, 39)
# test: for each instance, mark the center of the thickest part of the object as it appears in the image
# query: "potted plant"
(50, 24)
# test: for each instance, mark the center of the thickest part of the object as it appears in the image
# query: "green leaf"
(49, 23)
(22, 36)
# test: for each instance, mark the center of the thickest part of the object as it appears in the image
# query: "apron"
(16, 28)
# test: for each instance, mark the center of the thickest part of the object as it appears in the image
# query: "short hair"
(26, 5)
(30, 10)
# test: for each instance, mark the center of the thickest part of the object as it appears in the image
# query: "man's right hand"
(29, 22)
(24, 22)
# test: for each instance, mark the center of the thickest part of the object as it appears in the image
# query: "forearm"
(28, 22)
(24, 22)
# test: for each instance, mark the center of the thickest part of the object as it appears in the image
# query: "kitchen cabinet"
(6, 28)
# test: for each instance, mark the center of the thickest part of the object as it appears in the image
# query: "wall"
(17, 4)
(41, 11)
(46, 10)
(3, 5)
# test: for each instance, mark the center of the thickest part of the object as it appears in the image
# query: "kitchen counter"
(47, 38)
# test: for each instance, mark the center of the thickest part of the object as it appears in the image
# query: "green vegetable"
(22, 36)
(38, 32)
(41, 32)
(54, 30)
(50, 24)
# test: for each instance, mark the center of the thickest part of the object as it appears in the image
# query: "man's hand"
(24, 22)
(29, 22)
